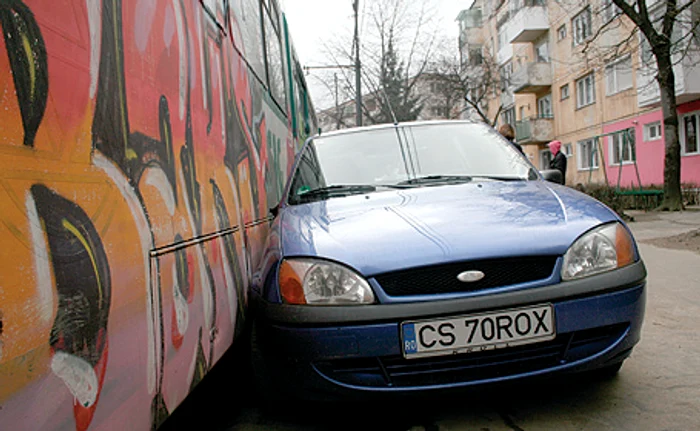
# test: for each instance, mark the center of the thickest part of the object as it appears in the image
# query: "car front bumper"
(357, 350)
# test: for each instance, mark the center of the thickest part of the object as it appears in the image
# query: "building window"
(506, 72)
(514, 6)
(647, 56)
(581, 26)
(439, 111)
(544, 106)
(545, 159)
(568, 151)
(587, 154)
(610, 10)
(564, 91)
(689, 134)
(618, 76)
(476, 57)
(561, 33)
(542, 51)
(274, 59)
(652, 131)
(622, 148)
(508, 116)
(502, 37)
(522, 113)
(437, 87)
(585, 90)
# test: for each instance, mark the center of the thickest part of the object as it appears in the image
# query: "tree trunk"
(673, 200)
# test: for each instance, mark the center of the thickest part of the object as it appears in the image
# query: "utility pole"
(358, 77)
(308, 69)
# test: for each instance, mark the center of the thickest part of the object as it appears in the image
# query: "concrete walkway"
(653, 224)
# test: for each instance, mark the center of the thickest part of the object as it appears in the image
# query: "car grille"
(398, 372)
(443, 278)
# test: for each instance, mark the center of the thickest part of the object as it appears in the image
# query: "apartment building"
(574, 71)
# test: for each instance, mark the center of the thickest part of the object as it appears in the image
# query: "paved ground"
(657, 389)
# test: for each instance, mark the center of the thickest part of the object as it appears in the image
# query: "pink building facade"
(649, 146)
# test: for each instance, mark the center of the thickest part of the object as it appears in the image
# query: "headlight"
(602, 249)
(319, 282)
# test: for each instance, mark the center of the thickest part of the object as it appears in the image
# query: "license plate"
(478, 332)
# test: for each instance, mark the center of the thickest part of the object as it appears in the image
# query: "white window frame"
(610, 10)
(478, 58)
(585, 95)
(545, 154)
(613, 70)
(651, 126)
(695, 114)
(544, 106)
(568, 150)
(616, 140)
(544, 43)
(581, 159)
(582, 26)
(502, 37)
(561, 32)
(564, 92)
(508, 116)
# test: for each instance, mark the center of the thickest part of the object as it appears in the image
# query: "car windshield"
(415, 155)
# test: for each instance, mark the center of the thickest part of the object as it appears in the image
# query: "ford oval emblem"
(470, 276)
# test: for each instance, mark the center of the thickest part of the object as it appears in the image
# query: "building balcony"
(686, 73)
(528, 23)
(471, 36)
(470, 18)
(507, 98)
(532, 78)
(504, 54)
(534, 130)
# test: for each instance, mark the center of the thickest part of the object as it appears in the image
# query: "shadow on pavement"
(225, 400)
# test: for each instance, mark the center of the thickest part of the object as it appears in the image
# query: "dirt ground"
(685, 241)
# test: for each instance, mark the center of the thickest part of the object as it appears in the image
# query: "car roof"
(394, 125)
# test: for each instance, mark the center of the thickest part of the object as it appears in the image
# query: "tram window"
(301, 105)
(216, 9)
(250, 44)
(298, 100)
(273, 10)
(275, 68)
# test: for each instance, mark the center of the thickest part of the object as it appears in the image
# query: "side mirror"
(553, 175)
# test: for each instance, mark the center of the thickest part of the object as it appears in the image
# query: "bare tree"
(667, 30)
(403, 29)
(470, 84)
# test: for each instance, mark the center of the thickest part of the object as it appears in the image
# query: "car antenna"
(388, 104)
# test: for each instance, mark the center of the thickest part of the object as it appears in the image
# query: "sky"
(311, 22)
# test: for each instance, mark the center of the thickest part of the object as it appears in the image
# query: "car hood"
(394, 229)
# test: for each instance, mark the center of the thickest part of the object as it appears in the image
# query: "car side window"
(308, 175)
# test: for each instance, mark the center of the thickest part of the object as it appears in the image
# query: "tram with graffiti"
(142, 145)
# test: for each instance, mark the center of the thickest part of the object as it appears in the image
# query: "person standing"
(507, 132)
(558, 161)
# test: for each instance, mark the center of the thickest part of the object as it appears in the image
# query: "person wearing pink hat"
(558, 161)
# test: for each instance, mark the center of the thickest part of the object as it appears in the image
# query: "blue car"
(432, 256)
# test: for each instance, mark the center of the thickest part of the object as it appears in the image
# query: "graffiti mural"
(140, 152)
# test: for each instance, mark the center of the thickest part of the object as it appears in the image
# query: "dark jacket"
(559, 163)
(518, 146)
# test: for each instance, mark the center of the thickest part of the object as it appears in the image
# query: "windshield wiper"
(337, 190)
(437, 179)
(499, 178)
